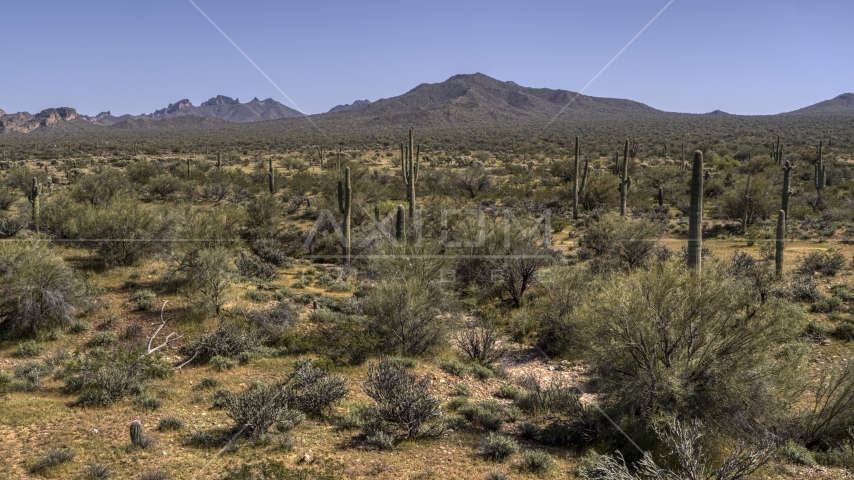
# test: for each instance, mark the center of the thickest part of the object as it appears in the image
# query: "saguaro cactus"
(320, 151)
(400, 224)
(780, 242)
(345, 195)
(136, 435)
(338, 160)
(219, 160)
(584, 176)
(625, 181)
(188, 167)
(787, 186)
(660, 196)
(575, 182)
(271, 176)
(410, 159)
(35, 200)
(777, 152)
(695, 215)
(820, 173)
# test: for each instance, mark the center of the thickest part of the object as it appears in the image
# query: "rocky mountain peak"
(220, 100)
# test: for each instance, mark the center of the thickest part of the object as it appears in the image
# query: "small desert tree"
(209, 272)
(37, 289)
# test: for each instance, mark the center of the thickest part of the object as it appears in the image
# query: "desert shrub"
(831, 411)
(827, 305)
(101, 378)
(53, 458)
(536, 462)
(271, 251)
(498, 447)
(254, 267)
(313, 390)
(37, 289)
(454, 367)
(144, 299)
(147, 401)
(260, 407)
(402, 401)
(228, 340)
(101, 188)
(403, 314)
(206, 383)
(209, 274)
(10, 226)
(132, 332)
(482, 372)
(102, 339)
(96, 471)
(804, 287)
(480, 344)
(670, 340)
(553, 398)
(508, 391)
(797, 454)
(170, 424)
(30, 375)
(221, 364)
(6, 380)
(486, 414)
(30, 348)
(275, 322)
(631, 241)
(827, 263)
(80, 326)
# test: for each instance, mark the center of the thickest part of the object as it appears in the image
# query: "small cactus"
(625, 180)
(137, 437)
(695, 214)
(820, 173)
(34, 197)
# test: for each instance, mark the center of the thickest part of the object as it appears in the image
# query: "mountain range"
(462, 99)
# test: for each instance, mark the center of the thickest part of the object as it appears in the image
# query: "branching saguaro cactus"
(695, 214)
(787, 186)
(777, 152)
(780, 242)
(345, 195)
(188, 167)
(410, 159)
(321, 152)
(219, 160)
(35, 199)
(625, 180)
(338, 160)
(575, 182)
(271, 176)
(400, 225)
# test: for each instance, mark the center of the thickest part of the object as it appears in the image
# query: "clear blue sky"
(740, 56)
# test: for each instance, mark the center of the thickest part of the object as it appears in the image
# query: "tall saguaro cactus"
(787, 186)
(777, 152)
(35, 200)
(780, 242)
(320, 152)
(410, 159)
(188, 167)
(219, 160)
(400, 225)
(575, 182)
(695, 214)
(625, 181)
(271, 176)
(345, 195)
(820, 173)
(584, 176)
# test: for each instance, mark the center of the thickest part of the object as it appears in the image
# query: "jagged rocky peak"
(221, 100)
(351, 106)
(2, 112)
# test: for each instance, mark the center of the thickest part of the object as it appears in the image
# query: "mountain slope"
(843, 104)
(480, 98)
(230, 110)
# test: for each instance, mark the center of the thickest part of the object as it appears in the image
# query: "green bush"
(827, 305)
(827, 263)
(5, 383)
(170, 424)
(147, 401)
(144, 299)
(315, 391)
(30, 348)
(536, 462)
(102, 339)
(221, 364)
(259, 408)
(228, 340)
(38, 291)
(497, 447)
(798, 454)
(53, 458)
(454, 367)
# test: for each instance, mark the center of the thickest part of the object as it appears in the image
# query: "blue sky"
(740, 56)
